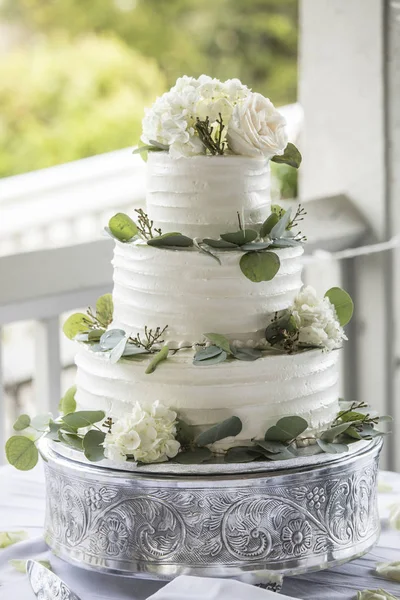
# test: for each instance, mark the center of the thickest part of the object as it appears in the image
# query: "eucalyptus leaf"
(286, 454)
(228, 428)
(260, 266)
(21, 453)
(83, 418)
(256, 246)
(219, 340)
(279, 229)
(111, 338)
(330, 434)
(343, 304)
(214, 360)
(75, 324)
(54, 429)
(41, 422)
(174, 239)
(94, 335)
(193, 457)
(71, 439)
(369, 431)
(268, 224)
(241, 454)
(291, 156)
(220, 244)
(158, 358)
(118, 350)
(105, 309)
(9, 538)
(22, 423)
(243, 236)
(123, 227)
(93, 445)
(246, 353)
(159, 145)
(82, 337)
(286, 429)
(330, 448)
(270, 446)
(68, 403)
(206, 353)
(353, 433)
(351, 415)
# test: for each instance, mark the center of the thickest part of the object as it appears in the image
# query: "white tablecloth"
(22, 508)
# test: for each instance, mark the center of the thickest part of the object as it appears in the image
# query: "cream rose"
(257, 128)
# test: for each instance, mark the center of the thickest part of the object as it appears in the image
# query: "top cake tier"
(201, 196)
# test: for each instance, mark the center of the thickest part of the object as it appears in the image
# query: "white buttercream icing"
(200, 196)
(192, 294)
(259, 392)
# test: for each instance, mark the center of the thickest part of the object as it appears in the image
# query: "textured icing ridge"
(259, 393)
(200, 196)
(192, 294)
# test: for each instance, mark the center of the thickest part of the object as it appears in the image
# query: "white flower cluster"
(147, 434)
(253, 127)
(316, 320)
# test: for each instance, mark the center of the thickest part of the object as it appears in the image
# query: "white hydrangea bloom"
(172, 118)
(147, 434)
(316, 320)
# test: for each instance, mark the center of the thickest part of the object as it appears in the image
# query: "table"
(22, 504)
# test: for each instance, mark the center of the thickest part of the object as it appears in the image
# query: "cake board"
(214, 520)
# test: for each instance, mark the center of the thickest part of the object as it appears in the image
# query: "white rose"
(389, 570)
(257, 128)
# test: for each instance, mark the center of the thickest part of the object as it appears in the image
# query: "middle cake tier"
(193, 294)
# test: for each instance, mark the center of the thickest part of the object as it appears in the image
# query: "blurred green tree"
(62, 101)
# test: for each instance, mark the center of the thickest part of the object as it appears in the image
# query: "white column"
(47, 365)
(343, 91)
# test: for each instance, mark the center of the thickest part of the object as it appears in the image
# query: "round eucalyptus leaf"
(158, 358)
(68, 403)
(93, 445)
(220, 244)
(343, 304)
(22, 423)
(41, 422)
(241, 454)
(260, 266)
(214, 360)
(286, 429)
(193, 457)
(353, 433)
(94, 335)
(243, 236)
(269, 224)
(83, 418)
(71, 439)
(286, 454)
(228, 428)
(122, 227)
(206, 353)
(76, 323)
(174, 239)
(254, 246)
(21, 453)
(332, 448)
(219, 340)
(111, 338)
(105, 309)
(246, 353)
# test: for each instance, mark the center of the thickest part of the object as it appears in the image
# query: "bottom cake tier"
(258, 392)
(312, 514)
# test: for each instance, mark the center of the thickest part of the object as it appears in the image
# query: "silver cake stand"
(215, 520)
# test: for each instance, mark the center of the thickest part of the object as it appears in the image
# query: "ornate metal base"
(288, 519)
